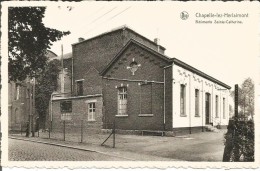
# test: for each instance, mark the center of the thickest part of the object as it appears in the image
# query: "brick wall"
(99, 51)
(149, 70)
(79, 113)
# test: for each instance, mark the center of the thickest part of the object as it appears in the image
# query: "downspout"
(220, 108)
(164, 94)
(211, 106)
(190, 103)
(72, 74)
(202, 105)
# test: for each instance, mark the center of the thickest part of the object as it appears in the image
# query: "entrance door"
(207, 108)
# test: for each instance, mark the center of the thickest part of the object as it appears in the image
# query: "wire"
(109, 19)
(102, 15)
(119, 13)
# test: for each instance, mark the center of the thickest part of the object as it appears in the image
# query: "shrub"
(239, 141)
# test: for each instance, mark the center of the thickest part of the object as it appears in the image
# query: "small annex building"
(124, 77)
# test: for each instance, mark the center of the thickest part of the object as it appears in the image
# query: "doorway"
(207, 108)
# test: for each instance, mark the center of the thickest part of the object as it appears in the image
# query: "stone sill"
(197, 116)
(121, 116)
(145, 115)
(183, 115)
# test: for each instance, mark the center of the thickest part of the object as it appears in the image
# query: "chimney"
(157, 42)
(81, 39)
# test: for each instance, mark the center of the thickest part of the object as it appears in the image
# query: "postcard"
(130, 84)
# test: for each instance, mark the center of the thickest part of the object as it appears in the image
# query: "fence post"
(49, 132)
(114, 134)
(21, 129)
(64, 130)
(81, 131)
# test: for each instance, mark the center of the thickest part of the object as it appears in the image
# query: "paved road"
(20, 150)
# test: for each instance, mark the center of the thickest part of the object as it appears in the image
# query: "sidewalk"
(203, 146)
(106, 150)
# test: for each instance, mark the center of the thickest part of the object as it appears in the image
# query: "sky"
(228, 52)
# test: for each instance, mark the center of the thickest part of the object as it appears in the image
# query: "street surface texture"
(20, 150)
(202, 146)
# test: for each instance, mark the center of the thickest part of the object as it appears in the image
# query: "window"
(197, 96)
(216, 106)
(66, 106)
(17, 91)
(27, 93)
(224, 108)
(182, 100)
(91, 111)
(146, 98)
(79, 88)
(122, 101)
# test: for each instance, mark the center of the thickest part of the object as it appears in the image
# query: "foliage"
(239, 144)
(28, 41)
(246, 97)
(46, 84)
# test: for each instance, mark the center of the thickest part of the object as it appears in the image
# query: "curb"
(71, 147)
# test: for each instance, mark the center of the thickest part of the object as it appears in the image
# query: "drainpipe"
(211, 106)
(202, 105)
(190, 103)
(51, 111)
(220, 108)
(72, 74)
(164, 93)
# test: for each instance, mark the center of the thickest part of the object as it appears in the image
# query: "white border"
(101, 164)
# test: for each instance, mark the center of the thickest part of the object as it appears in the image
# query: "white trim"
(121, 115)
(80, 80)
(91, 101)
(78, 97)
(145, 115)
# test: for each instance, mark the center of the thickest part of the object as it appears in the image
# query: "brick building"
(19, 102)
(124, 77)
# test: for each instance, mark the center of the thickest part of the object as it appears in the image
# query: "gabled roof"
(65, 56)
(164, 57)
(198, 72)
(132, 41)
(51, 52)
(124, 27)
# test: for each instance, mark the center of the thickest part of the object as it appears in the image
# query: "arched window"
(182, 100)
(16, 117)
(197, 99)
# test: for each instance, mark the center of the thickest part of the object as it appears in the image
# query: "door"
(207, 108)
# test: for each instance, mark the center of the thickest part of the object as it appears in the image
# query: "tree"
(246, 98)
(28, 41)
(46, 84)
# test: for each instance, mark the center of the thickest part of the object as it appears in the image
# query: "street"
(20, 150)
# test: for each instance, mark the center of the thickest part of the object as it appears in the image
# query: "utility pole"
(30, 108)
(33, 107)
(62, 71)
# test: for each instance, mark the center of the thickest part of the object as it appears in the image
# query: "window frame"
(183, 100)
(224, 108)
(17, 92)
(62, 110)
(216, 106)
(197, 103)
(150, 88)
(92, 111)
(122, 95)
(79, 91)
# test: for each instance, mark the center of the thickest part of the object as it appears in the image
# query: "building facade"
(19, 102)
(123, 77)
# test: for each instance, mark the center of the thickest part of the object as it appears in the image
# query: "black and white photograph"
(130, 83)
